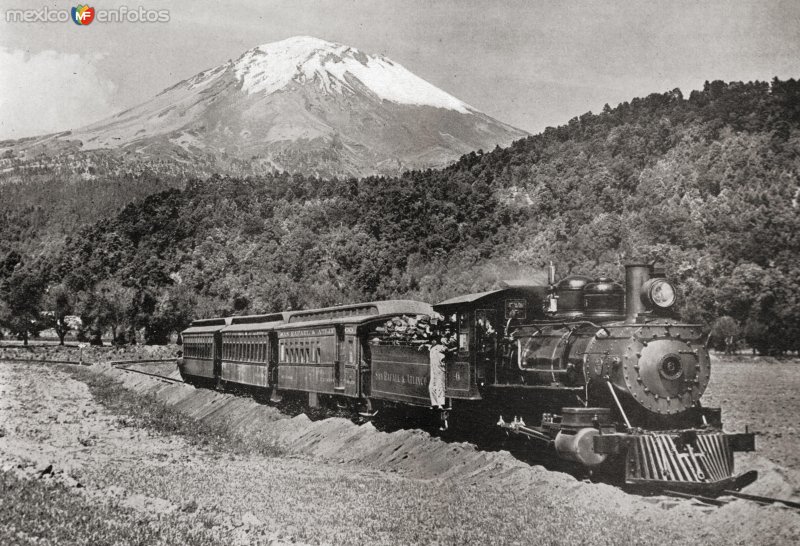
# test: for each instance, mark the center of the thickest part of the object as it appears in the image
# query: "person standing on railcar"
(436, 385)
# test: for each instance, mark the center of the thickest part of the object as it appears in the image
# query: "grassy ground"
(761, 393)
(219, 479)
(46, 512)
(144, 411)
(153, 467)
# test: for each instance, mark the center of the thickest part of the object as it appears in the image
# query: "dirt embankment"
(343, 483)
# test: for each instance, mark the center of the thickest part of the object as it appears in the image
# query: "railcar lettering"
(313, 332)
(405, 379)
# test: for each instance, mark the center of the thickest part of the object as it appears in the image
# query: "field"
(763, 394)
(218, 469)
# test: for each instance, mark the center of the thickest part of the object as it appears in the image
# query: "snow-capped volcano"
(302, 105)
(336, 68)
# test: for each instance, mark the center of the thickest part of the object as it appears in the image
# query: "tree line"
(30, 305)
(706, 185)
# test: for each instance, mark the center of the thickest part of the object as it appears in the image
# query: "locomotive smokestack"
(636, 274)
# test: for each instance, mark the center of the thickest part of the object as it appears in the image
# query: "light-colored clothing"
(437, 382)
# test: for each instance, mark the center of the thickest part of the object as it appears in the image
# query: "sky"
(529, 63)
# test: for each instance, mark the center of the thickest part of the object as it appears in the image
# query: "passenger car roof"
(356, 313)
(253, 326)
(205, 326)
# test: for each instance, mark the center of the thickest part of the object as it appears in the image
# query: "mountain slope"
(299, 105)
(707, 185)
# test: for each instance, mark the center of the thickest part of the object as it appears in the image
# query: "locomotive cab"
(484, 321)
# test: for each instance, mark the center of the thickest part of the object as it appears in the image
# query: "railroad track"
(124, 366)
(42, 361)
(721, 501)
(119, 364)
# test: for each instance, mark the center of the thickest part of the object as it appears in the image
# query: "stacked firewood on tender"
(413, 330)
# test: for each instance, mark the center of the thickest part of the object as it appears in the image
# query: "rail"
(117, 363)
(744, 496)
(43, 361)
(121, 365)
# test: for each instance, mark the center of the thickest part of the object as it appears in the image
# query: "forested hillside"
(706, 185)
(40, 208)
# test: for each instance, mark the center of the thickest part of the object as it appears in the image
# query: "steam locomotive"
(602, 374)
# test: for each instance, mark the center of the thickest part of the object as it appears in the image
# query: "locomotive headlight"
(659, 293)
